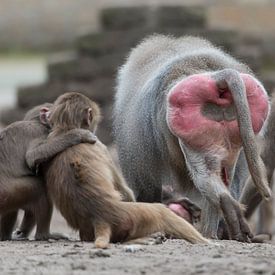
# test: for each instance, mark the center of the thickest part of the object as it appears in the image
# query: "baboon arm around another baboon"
(20, 188)
(44, 150)
(84, 185)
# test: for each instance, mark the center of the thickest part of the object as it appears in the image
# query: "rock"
(85, 68)
(130, 18)
(109, 42)
(99, 253)
(10, 115)
(180, 17)
(132, 248)
(100, 90)
(124, 18)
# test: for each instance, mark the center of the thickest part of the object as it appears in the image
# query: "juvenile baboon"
(20, 188)
(183, 111)
(89, 192)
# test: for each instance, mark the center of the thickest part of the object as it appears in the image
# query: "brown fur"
(89, 191)
(20, 187)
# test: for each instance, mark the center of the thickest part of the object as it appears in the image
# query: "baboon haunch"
(183, 111)
(20, 188)
(89, 192)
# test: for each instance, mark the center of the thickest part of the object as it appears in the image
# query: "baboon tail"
(231, 79)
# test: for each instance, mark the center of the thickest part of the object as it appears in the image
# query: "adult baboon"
(183, 111)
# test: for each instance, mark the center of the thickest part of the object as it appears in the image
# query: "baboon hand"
(178, 205)
(238, 228)
(83, 135)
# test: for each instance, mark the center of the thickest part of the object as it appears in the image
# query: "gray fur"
(150, 155)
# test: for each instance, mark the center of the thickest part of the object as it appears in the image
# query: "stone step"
(101, 90)
(181, 17)
(124, 18)
(140, 17)
(85, 68)
(110, 42)
(250, 55)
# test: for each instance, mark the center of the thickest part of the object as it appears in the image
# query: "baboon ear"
(88, 116)
(44, 115)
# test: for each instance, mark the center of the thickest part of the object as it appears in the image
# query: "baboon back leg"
(86, 235)
(264, 225)
(8, 221)
(102, 234)
(43, 214)
(152, 218)
(26, 226)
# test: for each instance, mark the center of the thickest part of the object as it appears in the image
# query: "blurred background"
(50, 47)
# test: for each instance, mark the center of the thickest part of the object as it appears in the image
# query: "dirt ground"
(170, 257)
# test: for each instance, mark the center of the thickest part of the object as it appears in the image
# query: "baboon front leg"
(209, 220)
(102, 234)
(265, 222)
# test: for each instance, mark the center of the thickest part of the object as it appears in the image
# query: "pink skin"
(180, 211)
(186, 121)
(186, 99)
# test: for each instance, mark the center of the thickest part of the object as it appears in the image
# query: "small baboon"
(20, 188)
(89, 191)
(183, 111)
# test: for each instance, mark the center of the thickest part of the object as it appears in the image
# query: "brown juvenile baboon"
(20, 188)
(87, 189)
(183, 111)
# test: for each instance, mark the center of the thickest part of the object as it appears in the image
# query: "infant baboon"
(89, 192)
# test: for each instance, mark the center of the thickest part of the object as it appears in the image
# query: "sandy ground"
(170, 257)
